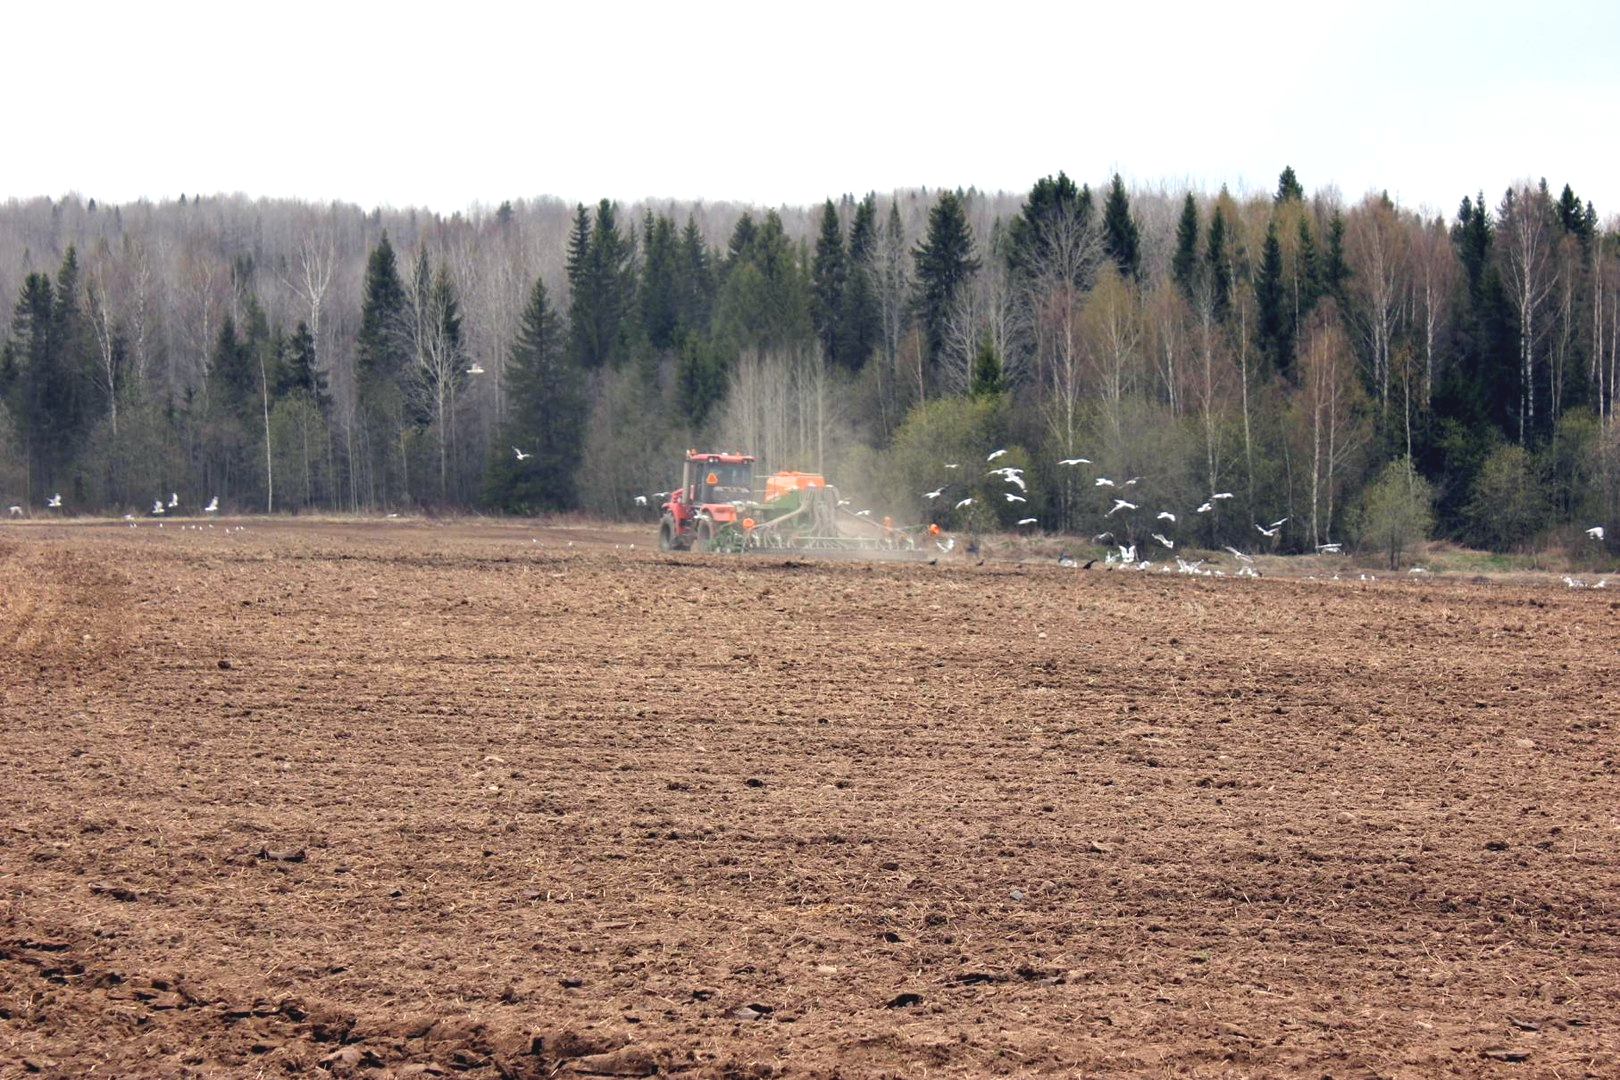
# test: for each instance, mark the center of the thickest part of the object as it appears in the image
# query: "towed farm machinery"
(717, 508)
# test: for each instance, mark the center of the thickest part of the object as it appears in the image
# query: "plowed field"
(410, 800)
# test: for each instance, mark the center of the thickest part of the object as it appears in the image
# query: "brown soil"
(410, 799)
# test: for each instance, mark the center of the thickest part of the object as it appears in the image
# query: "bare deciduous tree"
(1327, 397)
(1375, 246)
(1525, 239)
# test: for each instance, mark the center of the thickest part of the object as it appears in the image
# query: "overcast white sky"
(448, 105)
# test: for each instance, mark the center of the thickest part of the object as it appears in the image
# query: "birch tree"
(1524, 236)
(1376, 248)
(1327, 399)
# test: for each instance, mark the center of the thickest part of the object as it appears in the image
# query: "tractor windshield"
(721, 481)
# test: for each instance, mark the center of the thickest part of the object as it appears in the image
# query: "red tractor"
(717, 509)
(705, 505)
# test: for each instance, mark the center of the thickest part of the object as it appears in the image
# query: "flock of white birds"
(160, 508)
(1127, 556)
(1127, 553)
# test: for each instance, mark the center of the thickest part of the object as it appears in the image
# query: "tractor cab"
(717, 478)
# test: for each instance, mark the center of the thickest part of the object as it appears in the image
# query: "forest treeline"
(1289, 350)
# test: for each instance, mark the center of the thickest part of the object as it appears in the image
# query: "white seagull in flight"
(1595, 532)
(521, 456)
(995, 454)
(1120, 504)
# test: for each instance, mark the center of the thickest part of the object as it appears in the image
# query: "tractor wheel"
(705, 536)
(666, 535)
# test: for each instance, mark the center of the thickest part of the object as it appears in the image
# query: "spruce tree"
(1220, 272)
(601, 274)
(741, 245)
(1271, 330)
(232, 374)
(1184, 263)
(1288, 188)
(660, 282)
(944, 264)
(30, 375)
(829, 272)
(71, 379)
(700, 380)
(1121, 240)
(1307, 276)
(989, 377)
(382, 348)
(695, 281)
(545, 418)
(1335, 270)
(301, 374)
(380, 344)
(863, 315)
